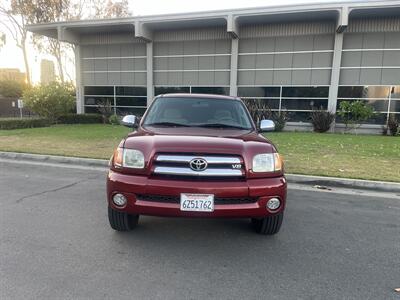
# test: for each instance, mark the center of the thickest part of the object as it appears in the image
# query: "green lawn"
(365, 157)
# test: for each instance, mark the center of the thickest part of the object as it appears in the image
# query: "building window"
(123, 99)
(384, 100)
(218, 90)
(297, 101)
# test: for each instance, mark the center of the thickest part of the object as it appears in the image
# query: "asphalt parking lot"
(55, 243)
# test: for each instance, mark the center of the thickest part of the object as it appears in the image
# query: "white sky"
(11, 56)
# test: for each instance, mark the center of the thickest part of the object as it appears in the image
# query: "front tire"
(269, 225)
(122, 221)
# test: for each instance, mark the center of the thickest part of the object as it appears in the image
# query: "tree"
(65, 10)
(2, 39)
(16, 15)
(353, 113)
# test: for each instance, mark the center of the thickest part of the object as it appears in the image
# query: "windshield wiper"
(221, 125)
(170, 124)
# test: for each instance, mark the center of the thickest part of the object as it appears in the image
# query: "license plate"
(197, 202)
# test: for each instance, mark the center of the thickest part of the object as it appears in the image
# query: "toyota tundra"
(196, 155)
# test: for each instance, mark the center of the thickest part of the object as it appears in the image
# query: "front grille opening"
(176, 199)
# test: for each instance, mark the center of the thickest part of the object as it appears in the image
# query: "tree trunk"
(60, 65)
(26, 62)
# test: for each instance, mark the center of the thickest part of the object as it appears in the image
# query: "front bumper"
(131, 185)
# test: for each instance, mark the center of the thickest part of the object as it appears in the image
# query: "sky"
(11, 56)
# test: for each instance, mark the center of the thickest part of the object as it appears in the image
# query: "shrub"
(280, 120)
(106, 110)
(113, 120)
(321, 120)
(50, 101)
(80, 119)
(393, 125)
(14, 123)
(12, 88)
(354, 112)
(258, 110)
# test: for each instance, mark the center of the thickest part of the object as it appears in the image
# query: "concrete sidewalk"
(292, 178)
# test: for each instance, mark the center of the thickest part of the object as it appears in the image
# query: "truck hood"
(198, 140)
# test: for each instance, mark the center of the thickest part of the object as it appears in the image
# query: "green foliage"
(393, 125)
(113, 120)
(12, 88)
(321, 120)
(280, 120)
(50, 101)
(106, 110)
(14, 123)
(80, 119)
(354, 112)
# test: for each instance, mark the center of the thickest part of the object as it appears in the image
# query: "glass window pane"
(396, 92)
(378, 105)
(271, 103)
(99, 90)
(259, 91)
(171, 89)
(309, 91)
(363, 92)
(210, 90)
(298, 116)
(91, 110)
(304, 104)
(131, 91)
(122, 111)
(131, 101)
(96, 100)
(395, 106)
(378, 119)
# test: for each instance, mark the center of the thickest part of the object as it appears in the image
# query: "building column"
(335, 72)
(80, 108)
(234, 67)
(149, 69)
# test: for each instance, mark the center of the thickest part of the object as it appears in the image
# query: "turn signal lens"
(278, 160)
(118, 157)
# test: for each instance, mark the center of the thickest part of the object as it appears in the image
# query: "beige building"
(12, 74)
(47, 72)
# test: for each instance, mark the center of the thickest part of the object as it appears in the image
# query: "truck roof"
(208, 96)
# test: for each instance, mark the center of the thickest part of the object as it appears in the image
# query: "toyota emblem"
(198, 164)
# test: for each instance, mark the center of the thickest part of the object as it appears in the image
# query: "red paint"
(151, 140)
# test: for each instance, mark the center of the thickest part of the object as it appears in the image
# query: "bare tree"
(15, 15)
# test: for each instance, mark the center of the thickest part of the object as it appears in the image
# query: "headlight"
(133, 159)
(267, 162)
(128, 158)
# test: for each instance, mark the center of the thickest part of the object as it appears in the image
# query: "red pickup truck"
(196, 155)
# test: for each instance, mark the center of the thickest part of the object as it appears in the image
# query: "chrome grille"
(217, 165)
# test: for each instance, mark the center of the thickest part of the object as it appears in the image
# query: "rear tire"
(122, 221)
(269, 225)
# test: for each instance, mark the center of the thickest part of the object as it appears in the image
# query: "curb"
(383, 186)
(90, 162)
(292, 178)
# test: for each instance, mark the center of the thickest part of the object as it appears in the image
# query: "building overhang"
(143, 26)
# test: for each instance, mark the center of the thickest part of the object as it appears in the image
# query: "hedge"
(80, 119)
(14, 123)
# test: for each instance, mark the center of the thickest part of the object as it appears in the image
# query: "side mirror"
(267, 125)
(130, 121)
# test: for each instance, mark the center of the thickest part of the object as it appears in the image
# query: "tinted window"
(211, 90)
(198, 111)
(170, 89)
(316, 92)
(359, 92)
(99, 90)
(259, 91)
(131, 91)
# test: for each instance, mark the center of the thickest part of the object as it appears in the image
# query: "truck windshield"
(198, 112)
